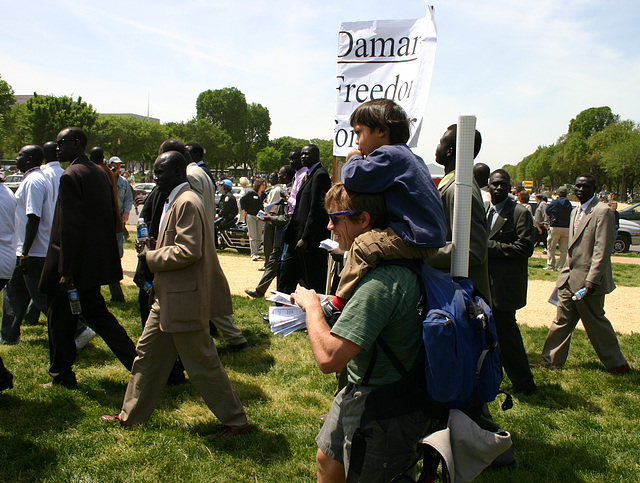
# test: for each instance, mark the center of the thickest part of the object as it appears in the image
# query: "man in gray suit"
(592, 232)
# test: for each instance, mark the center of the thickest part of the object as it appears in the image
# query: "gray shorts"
(393, 446)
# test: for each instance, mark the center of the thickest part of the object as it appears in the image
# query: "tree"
(217, 143)
(7, 100)
(269, 160)
(285, 144)
(257, 134)
(48, 115)
(225, 108)
(592, 120)
(134, 140)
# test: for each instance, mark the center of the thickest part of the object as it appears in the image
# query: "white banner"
(390, 59)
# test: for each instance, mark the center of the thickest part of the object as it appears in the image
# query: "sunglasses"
(333, 216)
(62, 141)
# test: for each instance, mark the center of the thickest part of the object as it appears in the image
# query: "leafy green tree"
(326, 153)
(257, 134)
(135, 141)
(7, 100)
(225, 108)
(47, 115)
(216, 143)
(269, 160)
(285, 144)
(592, 120)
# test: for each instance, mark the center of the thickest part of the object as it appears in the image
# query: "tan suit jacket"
(189, 282)
(589, 252)
(204, 188)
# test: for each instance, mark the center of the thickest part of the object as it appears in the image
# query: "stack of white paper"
(289, 318)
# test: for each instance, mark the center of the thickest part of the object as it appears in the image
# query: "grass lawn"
(583, 425)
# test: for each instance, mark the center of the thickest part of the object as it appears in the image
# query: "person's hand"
(24, 264)
(354, 152)
(267, 218)
(66, 283)
(306, 298)
(301, 245)
(125, 217)
(337, 253)
(589, 287)
(540, 230)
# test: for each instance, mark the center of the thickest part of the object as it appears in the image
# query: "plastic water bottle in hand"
(74, 301)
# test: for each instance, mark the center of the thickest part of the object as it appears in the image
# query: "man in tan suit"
(189, 289)
(591, 234)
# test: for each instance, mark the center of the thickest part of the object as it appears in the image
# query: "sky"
(524, 69)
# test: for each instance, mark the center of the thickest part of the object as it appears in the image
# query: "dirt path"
(242, 273)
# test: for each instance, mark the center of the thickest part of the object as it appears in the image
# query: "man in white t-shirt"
(34, 216)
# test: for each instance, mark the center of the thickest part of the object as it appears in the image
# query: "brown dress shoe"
(623, 369)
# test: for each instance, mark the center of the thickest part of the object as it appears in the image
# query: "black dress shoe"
(6, 379)
(254, 294)
(623, 369)
(527, 391)
(238, 347)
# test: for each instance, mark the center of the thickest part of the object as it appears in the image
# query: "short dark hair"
(196, 148)
(385, 115)
(590, 177)
(502, 172)
(372, 203)
(288, 171)
(477, 140)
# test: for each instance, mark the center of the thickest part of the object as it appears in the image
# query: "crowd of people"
(387, 207)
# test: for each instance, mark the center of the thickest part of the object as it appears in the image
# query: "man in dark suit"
(303, 258)
(82, 254)
(509, 247)
(189, 289)
(592, 232)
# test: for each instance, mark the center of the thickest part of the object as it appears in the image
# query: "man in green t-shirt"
(383, 307)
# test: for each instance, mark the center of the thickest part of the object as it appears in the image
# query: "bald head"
(96, 155)
(30, 156)
(169, 170)
(50, 151)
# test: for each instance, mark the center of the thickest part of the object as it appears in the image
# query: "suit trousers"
(270, 271)
(309, 266)
(157, 352)
(19, 292)
(62, 327)
(557, 236)
(512, 351)
(599, 330)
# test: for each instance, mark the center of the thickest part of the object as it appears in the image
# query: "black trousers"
(308, 267)
(514, 356)
(62, 327)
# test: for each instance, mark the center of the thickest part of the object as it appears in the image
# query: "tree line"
(598, 142)
(232, 131)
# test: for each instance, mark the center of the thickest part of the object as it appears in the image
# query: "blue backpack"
(462, 355)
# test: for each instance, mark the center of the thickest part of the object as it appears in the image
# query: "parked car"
(628, 234)
(13, 181)
(141, 191)
(631, 213)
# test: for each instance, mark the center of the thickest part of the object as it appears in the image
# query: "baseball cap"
(227, 183)
(115, 159)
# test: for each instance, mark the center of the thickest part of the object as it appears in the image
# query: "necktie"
(576, 222)
(490, 215)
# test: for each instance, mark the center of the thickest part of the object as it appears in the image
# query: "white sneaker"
(84, 338)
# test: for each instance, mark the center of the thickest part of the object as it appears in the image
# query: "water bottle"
(579, 295)
(147, 286)
(143, 229)
(74, 301)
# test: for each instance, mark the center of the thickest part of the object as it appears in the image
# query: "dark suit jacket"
(509, 247)
(310, 219)
(478, 272)
(83, 235)
(589, 252)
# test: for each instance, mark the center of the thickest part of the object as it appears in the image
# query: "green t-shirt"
(384, 303)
